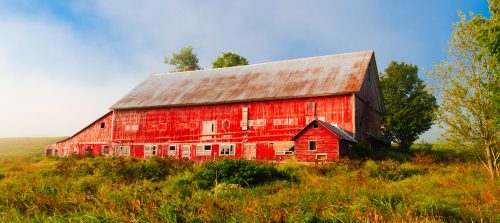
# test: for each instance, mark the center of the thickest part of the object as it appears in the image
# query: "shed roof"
(341, 133)
(308, 77)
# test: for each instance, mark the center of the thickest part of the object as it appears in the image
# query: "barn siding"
(267, 121)
(326, 143)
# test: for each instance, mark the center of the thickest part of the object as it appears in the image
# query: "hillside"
(429, 186)
(24, 147)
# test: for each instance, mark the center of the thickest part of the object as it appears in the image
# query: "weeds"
(105, 189)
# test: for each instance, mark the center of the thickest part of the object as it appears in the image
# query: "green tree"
(468, 86)
(229, 59)
(410, 108)
(184, 60)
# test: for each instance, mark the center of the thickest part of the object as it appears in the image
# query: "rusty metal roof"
(341, 133)
(308, 77)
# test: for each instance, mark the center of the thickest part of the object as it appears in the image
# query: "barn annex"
(313, 109)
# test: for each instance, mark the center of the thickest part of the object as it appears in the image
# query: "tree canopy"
(184, 60)
(229, 59)
(409, 107)
(468, 86)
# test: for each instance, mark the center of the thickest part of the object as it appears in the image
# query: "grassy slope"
(24, 147)
(427, 189)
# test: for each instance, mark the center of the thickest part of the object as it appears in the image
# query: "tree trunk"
(489, 162)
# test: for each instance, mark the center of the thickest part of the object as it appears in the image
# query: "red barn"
(269, 111)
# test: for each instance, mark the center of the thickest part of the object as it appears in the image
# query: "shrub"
(362, 151)
(237, 171)
(391, 170)
(2, 176)
(338, 167)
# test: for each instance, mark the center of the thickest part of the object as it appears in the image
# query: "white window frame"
(91, 150)
(171, 152)
(186, 151)
(315, 145)
(227, 149)
(202, 151)
(150, 150)
(102, 150)
(124, 150)
(322, 154)
(281, 152)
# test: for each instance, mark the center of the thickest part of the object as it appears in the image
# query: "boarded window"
(244, 118)
(150, 150)
(172, 150)
(104, 150)
(312, 145)
(209, 127)
(227, 149)
(123, 150)
(186, 151)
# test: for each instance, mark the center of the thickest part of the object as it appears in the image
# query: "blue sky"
(63, 63)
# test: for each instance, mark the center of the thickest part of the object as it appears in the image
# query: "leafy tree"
(229, 59)
(468, 86)
(184, 60)
(410, 108)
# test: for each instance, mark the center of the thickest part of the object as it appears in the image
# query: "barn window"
(203, 150)
(88, 150)
(283, 152)
(209, 127)
(150, 150)
(104, 150)
(321, 156)
(227, 149)
(172, 150)
(186, 151)
(312, 145)
(244, 118)
(315, 125)
(124, 150)
(102, 125)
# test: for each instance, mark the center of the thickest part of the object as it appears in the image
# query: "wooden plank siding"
(326, 143)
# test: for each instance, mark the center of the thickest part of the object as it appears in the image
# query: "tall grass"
(166, 190)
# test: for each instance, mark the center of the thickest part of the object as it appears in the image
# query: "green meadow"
(433, 184)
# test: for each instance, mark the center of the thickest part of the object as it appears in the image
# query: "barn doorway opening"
(250, 151)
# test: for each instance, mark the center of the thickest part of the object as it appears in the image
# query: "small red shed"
(320, 140)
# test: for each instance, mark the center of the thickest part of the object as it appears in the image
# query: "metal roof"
(308, 77)
(341, 133)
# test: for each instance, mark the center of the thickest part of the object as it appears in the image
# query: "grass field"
(24, 147)
(430, 186)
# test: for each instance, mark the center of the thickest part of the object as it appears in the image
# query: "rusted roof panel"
(315, 76)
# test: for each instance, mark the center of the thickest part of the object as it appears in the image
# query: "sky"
(64, 63)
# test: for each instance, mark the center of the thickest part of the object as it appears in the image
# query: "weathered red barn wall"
(326, 143)
(368, 107)
(93, 135)
(269, 121)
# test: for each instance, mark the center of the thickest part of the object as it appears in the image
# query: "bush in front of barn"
(242, 172)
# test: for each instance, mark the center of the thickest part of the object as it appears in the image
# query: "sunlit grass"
(103, 189)
(24, 147)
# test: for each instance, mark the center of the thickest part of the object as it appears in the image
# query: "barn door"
(249, 151)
